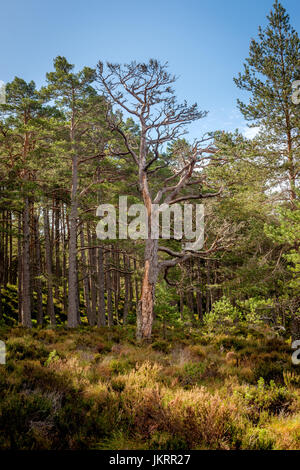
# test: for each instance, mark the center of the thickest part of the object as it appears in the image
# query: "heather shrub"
(258, 439)
(166, 441)
(191, 373)
(268, 369)
(271, 398)
(162, 346)
(120, 366)
(204, 420)
(18, 415)
(149, 398)
(26, 348)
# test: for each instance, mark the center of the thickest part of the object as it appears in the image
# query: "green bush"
(272, 398)
(222, 310)
(258, 439)
(191, 373)
(53, 357)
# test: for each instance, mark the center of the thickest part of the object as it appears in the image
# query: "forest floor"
(231, 388)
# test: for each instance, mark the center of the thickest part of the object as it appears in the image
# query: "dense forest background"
(86, 137)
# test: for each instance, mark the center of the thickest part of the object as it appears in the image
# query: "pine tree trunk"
(26, 304)
(145, 315)
(181, 304)
(57, 247)
(73, 285)
(130, 286)
(20, 269)
(116, 277)
(109, 290)
(38, 281)
(5, 253)
(208, 297)
(93, 267)
(48, 259)
(126, 294)
(101, 321)
(86, 289)
(11, 277)
(64, 273)
(136, 285)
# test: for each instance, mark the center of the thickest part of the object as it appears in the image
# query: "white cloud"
(250, 132)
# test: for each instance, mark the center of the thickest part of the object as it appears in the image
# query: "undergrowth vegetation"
(94, 388)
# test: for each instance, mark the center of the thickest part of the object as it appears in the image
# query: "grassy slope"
(98, 389)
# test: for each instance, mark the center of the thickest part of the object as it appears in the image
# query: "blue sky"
(205, 42)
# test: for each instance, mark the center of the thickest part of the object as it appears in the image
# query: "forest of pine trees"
(88, 136)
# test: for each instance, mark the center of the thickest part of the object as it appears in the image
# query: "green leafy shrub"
(256, 309)
(272, 398)
(258, 439)
(222, 310)
(53, 356)
(166, 308)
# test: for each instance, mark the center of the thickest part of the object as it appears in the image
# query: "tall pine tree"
(269, 73)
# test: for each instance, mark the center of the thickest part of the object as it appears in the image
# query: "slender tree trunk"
(109, 289)
(208, 297)
(136, 285)
(64, 273)
(26, 303)
(86, 288)
(50, 305)
(78, 296)
(73, 314)
(199, 295)
(20, 269)
(126, 293)
(130, 286)
(101, 321)
(190, 302)
(5, 239)
(181, 304)
(57, 247)
(38, 281)
(116, 277)
(32, 255)
(10, 249)
(93, 268)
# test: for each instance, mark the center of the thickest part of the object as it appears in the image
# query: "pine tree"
(268, 76)
(24, 127)
(75, 96)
